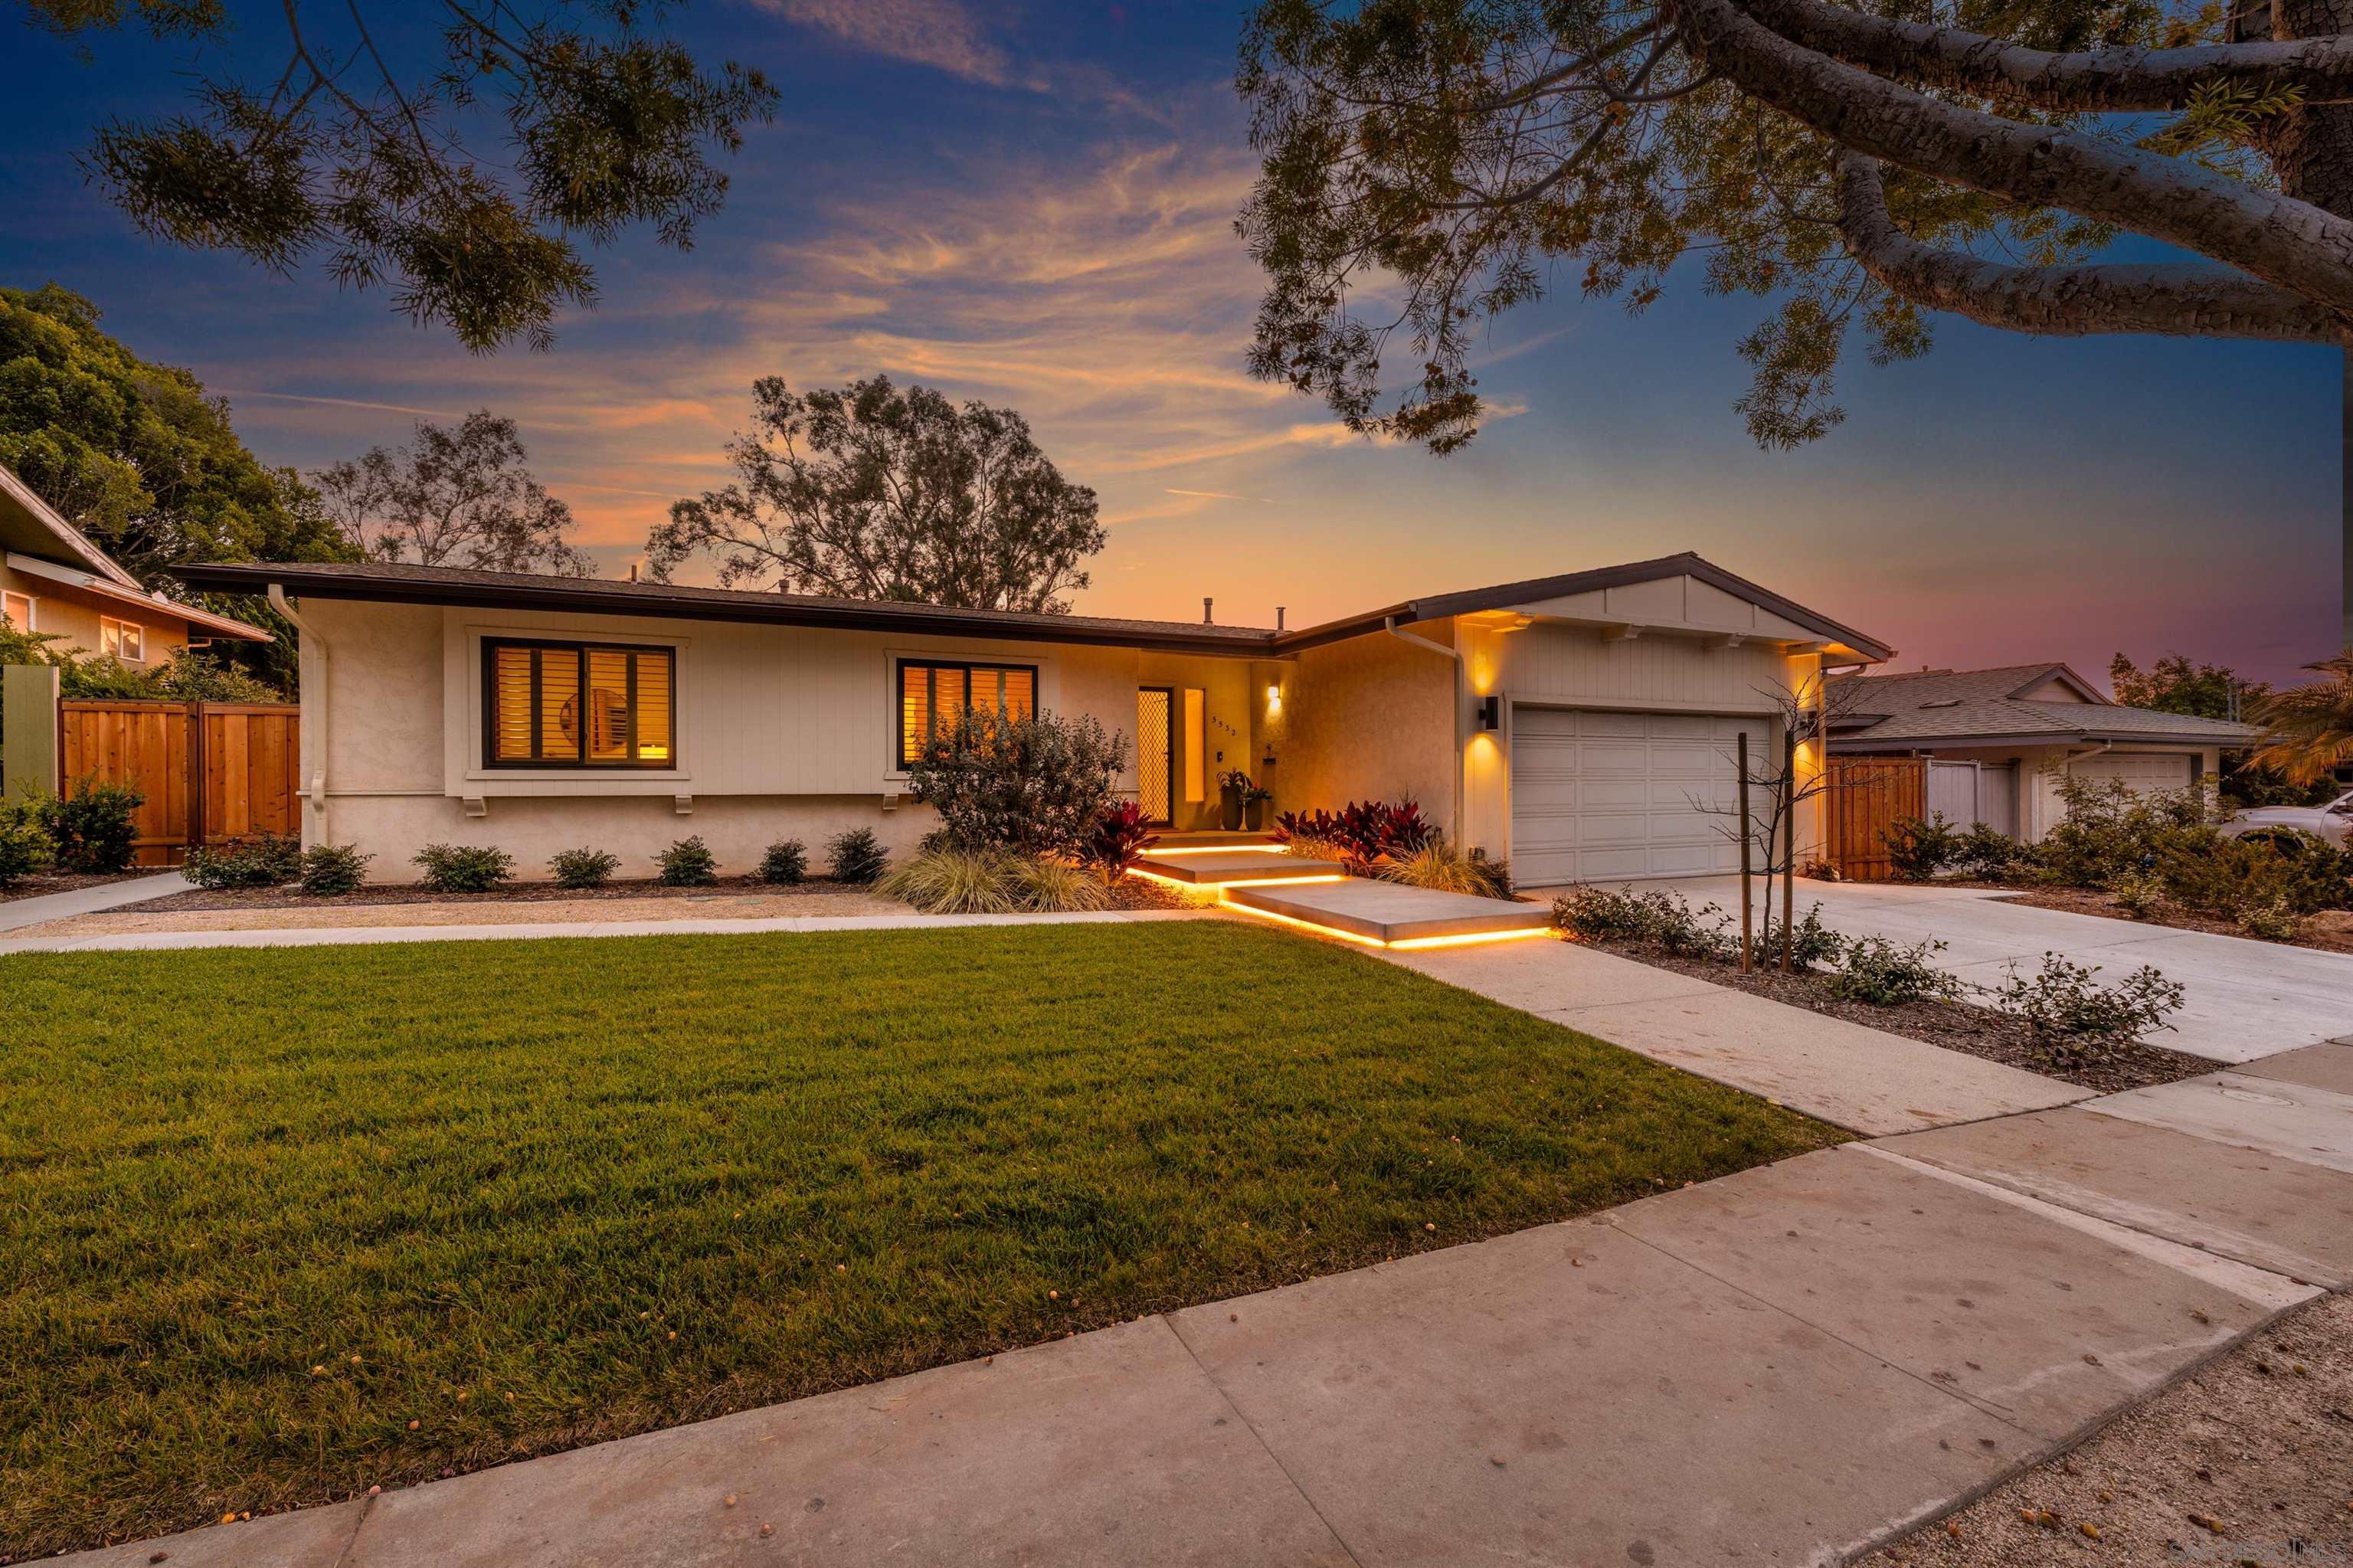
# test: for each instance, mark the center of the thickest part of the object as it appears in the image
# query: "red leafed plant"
(1119, 838)
(1366, 830)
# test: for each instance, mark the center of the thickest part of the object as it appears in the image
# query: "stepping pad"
(1393, 912)
(1213, 868)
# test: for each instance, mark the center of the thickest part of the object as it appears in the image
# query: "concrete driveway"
(2246, 998)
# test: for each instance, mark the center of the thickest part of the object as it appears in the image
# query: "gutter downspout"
(1462, 751)
(315, 730)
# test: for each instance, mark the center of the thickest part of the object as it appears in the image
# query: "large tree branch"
(2069, 302)
(2091, 80)
(2293, 244)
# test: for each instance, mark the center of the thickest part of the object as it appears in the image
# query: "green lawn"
(266, 1211)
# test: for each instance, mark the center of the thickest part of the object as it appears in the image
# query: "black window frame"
(901, 762)
(585, 763)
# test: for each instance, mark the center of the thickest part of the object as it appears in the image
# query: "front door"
(1155, 753)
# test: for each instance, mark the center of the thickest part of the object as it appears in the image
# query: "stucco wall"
(73, 614)
(1372, 717)
(782, 732)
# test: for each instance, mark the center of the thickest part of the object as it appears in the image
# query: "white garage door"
(1604, 797)
(2145, 771)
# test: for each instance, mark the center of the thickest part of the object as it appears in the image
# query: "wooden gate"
(210, 771)
(1867, 796)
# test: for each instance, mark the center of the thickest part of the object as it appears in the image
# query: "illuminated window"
(932, 696)
(123, 640)
(578, 705)
(18, 609)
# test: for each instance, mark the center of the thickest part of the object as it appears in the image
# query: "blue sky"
(1032, 205)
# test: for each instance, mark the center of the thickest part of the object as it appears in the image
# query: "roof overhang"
(1869, 742)
(27, 521)
(89, 582)
(595, 596)
(1817, 632)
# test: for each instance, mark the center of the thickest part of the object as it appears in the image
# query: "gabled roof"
(394, 582)
(1469, 601)
(1963, 705)
(34, 539)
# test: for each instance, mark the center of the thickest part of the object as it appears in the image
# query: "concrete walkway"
(19, 913)
(1785, 1366)
(353, 936)
(1865, 1080)
(2246, 998)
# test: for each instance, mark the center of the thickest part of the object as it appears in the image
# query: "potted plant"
(1232, 785)
(1254, 804)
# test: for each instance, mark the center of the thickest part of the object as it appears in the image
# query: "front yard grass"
(284, 1224)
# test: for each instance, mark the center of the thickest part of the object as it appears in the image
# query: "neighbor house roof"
(397, 583)
(1980, 706)
(37, 541)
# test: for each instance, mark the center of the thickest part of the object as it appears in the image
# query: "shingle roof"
(1964, 705)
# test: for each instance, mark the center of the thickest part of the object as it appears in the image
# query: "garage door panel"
(1601, 796)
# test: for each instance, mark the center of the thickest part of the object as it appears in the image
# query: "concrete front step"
(1218, 867)
(1393, 912)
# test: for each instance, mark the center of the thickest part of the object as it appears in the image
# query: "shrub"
(24, 846)
(90, 826)
(1918, 849)
(583, 868)
(2076, 1023)
(1878, 971)
(1658, 918)
(949, 881)
(1811, 943)
(1117, 841)
(1005, 781)
(1988, 853)
(257, 860)
(2276, 921)
(1820, 870)
(2109, 830)
(330, 871)
(1050, 886)
(2138, 894)
(1365, 832)
(689, 863)
(1440, 865)
(463, 868)
(1309, 847)
(2227, 877)
(857, 857)
(786, 862)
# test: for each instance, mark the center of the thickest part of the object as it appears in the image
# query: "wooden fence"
(1867, 796)
(211, 771)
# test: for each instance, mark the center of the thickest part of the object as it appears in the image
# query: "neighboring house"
(2000, 740)
(1576, 724)
(53, 579)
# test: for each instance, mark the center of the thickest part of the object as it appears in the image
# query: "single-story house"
(1998, 740)
(54, 579)
(1580, 726)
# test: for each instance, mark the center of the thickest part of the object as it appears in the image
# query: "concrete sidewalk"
(1785, 1366)
(19, 913)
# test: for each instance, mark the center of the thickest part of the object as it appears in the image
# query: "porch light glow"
(1275, 696)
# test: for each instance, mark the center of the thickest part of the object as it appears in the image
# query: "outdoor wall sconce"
(1491, 713)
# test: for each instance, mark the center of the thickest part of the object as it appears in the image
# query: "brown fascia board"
(1868, 742)
(562, 594)
(1440, 606)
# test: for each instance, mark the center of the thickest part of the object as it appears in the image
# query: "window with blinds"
(578, 705)
(930, 697)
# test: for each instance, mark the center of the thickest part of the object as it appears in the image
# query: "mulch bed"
(44, 883)
(1128, 892)
(1962, 1027)
(2330, 931)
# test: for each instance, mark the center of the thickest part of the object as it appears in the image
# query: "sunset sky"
(1032, 205)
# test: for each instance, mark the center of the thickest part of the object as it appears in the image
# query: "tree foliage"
(463, 182)
(136, 454)
(2174, 684)
(453, 497)
(2309, 729)
(870, 492)
(1429, 165)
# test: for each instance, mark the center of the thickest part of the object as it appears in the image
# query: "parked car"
(2333, 821)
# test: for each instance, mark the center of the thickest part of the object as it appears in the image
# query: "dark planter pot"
(1254, 816)
(1229, 810)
